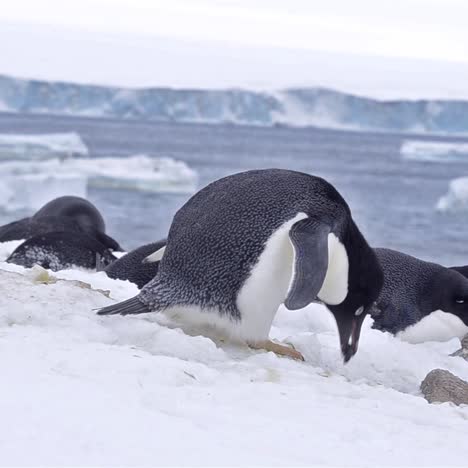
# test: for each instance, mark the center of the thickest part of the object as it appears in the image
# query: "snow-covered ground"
(79, 389)
(433, 151)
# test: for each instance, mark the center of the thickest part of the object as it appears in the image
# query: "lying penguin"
(247, 243)
(71, 214)
(62, 250)
(134, 267)
(413, 289)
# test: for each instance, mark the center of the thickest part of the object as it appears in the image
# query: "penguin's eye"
(359, 311)
(460, 300)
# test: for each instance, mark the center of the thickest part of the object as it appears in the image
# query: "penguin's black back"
(218, 235)
(407, 294)
(130, 266)
(79, 209)
(60, 250)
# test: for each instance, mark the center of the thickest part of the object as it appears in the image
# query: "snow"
(437, 326)
(41, 146)
(80, 389)
(456, 198)
(30, 184)
(434, 151)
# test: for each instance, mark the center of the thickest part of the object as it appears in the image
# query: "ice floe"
(434, 151)
(30, 184)
(456, 198)
(41, 146)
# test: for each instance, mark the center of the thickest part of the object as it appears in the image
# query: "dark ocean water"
(392, 199)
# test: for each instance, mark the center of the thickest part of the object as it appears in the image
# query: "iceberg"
(434, 151)
(318, 107)
(32, 190)
(456, 198)
(139, 172)
(40, 181)
(42, 146)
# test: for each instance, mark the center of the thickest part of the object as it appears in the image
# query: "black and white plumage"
(63, 214)
(248, 242)
(61, 250)
(414, 289)
(132, 266)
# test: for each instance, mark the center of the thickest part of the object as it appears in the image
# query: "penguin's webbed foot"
(279, 349)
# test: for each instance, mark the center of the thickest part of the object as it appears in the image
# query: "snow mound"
(433, 151)
(30, 184)
(87, 390)
(456, 198)
(41, 146)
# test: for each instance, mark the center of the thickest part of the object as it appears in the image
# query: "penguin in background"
(413, 289)
(250, 241)
(62, 250)
(63, 214)
(461, 269)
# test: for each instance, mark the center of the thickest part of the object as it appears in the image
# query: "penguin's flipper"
(129, 307)
(310, 241)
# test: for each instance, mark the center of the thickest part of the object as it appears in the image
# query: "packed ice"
(87, 390)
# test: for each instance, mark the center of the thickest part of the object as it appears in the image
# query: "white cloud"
(431, 29)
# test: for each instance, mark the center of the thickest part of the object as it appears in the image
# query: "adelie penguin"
(248, 242)
(63, 214)
(413, 289)
(61, 250)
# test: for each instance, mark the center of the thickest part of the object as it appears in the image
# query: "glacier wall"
(296, 107)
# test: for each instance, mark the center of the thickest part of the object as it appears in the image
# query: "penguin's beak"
(349, 328)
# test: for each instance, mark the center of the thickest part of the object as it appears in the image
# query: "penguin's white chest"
(269, 281)
(267, 285)
(335, 285)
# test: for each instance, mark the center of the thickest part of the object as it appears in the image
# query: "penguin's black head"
(451, 294)
(365, 280)
(349, 317)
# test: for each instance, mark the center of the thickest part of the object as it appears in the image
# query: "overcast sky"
(382, 48)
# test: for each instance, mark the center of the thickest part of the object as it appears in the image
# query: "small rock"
(442, 386)
(463, 351)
